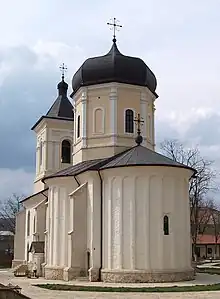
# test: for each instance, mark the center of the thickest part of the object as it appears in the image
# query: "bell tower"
(54, 134)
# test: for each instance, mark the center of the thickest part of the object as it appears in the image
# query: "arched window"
(41, 153)
(66, 152)
(166, 225)
(28, 223)
(129, 121)
(78, 126)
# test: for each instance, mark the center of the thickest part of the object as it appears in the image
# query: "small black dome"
(114, 67)
(62, 87)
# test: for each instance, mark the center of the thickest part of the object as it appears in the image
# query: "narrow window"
(41, 153)
(28, 223)
(129, 121)
(78, 126)
(166, 225)
(66, 152)
(27, 252)
(34, 225)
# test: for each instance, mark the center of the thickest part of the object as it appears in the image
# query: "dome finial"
(63, 69)
(139, 138)
(62, 86)
(114, 27)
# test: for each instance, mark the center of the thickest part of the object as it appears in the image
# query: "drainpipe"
(77, 181)
(101, 226)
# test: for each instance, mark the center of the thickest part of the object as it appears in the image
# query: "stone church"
(105, 205)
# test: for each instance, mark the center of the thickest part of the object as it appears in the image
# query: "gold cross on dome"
(63, 69)
(115, 27)
(139, 121)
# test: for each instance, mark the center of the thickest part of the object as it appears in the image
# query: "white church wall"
(19, 239)
(55, 138)
(94, 195)
(111, 101)
(93, 219)
(40, 157)
(135, 202)
(79, 242)
(29, 222)
(40, 220)
(59, 222)
(50, 134)
(29, 232)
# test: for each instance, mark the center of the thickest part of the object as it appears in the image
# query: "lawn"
(196, 288)
(208, 270)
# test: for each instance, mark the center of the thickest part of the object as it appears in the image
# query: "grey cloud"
(163, 130)
(18, 57)
(25, 94)
(206, 130)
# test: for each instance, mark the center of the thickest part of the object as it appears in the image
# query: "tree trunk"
(194, 251)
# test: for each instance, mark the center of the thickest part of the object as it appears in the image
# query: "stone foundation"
(93, 274)
(71, 273)
(43, 265)
(52, 272)
(139, 276)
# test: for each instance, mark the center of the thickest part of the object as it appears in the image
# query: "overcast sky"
(179, 40)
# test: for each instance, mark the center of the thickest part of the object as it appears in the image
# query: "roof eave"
(35, 194)
(116, 166)
(107, 82)
(50, 117)
(152, 164)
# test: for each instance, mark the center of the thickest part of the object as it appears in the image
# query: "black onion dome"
(114, 67)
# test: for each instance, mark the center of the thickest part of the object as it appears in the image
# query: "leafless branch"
(8, 210)
(199, 185)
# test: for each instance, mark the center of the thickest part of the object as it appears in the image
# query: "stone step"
(82, 278)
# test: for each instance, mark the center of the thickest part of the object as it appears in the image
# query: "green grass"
(196, 288)
(208, 270)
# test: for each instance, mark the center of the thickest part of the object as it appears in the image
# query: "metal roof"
(135, 156)
(114, 67)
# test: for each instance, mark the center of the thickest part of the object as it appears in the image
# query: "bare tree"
(8, 210)
(199, 185)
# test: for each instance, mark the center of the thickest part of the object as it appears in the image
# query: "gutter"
(101, 226)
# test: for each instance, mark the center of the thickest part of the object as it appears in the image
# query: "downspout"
(77, 181)
(101, 226)
(45, 195)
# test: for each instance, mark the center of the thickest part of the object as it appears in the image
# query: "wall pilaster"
(113, 112)
(144, 113)
(84, 118)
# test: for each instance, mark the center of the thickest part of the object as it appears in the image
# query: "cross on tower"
(138, 120)
(115, 27)
(63, 69)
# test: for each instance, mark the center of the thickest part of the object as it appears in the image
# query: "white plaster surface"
(135, 201)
